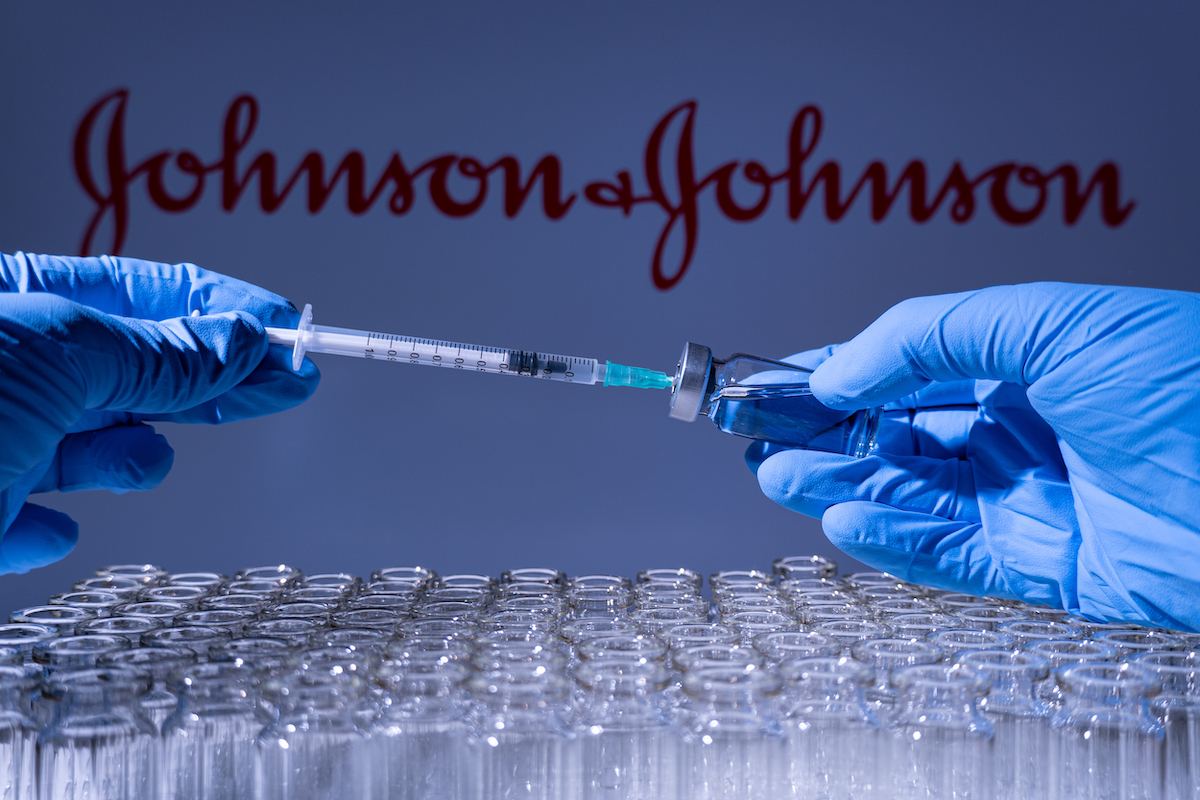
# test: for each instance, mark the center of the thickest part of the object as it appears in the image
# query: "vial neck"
(1014, 696)
(947, 704)
(92, 700)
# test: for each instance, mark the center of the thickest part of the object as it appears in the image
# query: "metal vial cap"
(691, 382)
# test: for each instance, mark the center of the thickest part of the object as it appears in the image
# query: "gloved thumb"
(1014, 334)
(37, 537)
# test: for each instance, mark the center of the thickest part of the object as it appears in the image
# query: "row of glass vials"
(792, 683)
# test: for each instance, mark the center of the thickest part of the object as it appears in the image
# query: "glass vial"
(1177, 709)
(1104, 743)
(1021, 720)
(100, 745)
(18, 732)
(317, 748)
(421, 735)
(208, 743)
(832, 737)
(758, 398)
(940, 743)
(627, 749)
(521, 742)
(733, 746)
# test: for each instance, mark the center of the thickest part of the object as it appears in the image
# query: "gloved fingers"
(120, 459)
(37, 537)
(936, 433)
(946, 394)
(273, 386)
(921, 548)
(810, 481)
(758, 452)
(1013, 334)
(70, 358)
(92, 420)
(131, 287)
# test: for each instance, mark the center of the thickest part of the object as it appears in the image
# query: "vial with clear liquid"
(770, 401)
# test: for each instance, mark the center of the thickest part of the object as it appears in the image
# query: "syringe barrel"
(434, 353)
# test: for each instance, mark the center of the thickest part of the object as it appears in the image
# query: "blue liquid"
(790, 416)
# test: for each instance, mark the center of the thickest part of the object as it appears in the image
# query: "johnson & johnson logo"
(672, 182)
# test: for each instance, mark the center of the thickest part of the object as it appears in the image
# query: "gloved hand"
(1040, 442)
(91, 347)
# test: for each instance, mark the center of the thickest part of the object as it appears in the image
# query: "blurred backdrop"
(727, 138)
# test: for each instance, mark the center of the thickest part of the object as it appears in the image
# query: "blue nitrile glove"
(1041, 442)
(90, 347)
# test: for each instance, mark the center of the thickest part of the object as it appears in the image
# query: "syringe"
(310, 338)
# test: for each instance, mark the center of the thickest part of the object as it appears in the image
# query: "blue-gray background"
(400, 465)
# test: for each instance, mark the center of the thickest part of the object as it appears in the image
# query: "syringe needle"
(637, 377)
(310, 338)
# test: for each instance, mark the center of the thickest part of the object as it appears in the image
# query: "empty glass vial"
(205, 580)
(18, 733)
(128, 628)
(832, 737)
(419, 577)
(733, 745)
(281, 574)
(580, 582)
(100, 745)
(1021, 720)
(196, 638)
(296, 631)
(963, 640)
(1062, 653)
(233, 620)
(127, 588)
(1104, 743)
(782, 646)
(612, 602)
(652, 620)
(758, 398)
(366, 640)
(1177, 709)
(1027, 631)
(987, 617)
(208, 742)
(158, 664)
(466, 581)
(920, 625)
(627, 747)
(577, 631)
(188, 595)
(25, 636)
(849, 631)
(318, 747)
(76, 652)
(421, 736)
(259, 653)
(939, 744)
(753, 623)
(797, 567)
(145, 574)
(886, 655)
(1131, 641)
(165, 610)
(95, 601)
(61, 618)
(622, 646)
(681, 577)
(521, 742)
